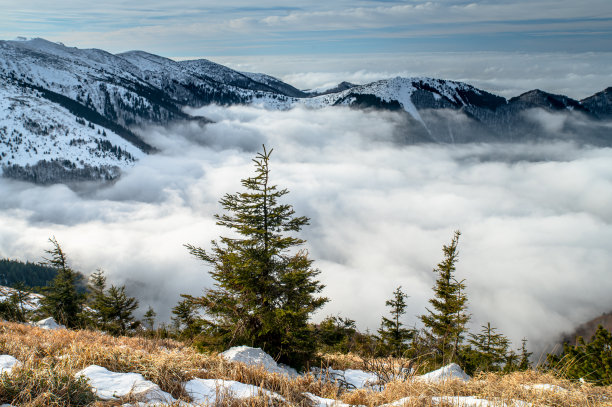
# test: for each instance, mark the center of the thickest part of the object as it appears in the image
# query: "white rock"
(110, 385)
(256, 357)
(49, 323)
(210, 390)
(7, 363)
(448, 372)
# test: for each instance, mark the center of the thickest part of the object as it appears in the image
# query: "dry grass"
(50, 359)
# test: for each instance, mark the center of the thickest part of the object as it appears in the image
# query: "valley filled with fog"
(535, 218)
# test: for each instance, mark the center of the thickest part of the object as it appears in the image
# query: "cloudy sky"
(507, 46)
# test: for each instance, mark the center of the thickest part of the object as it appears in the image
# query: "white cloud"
(507, 74)
(535, 218)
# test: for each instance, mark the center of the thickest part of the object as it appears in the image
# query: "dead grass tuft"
(50, 359)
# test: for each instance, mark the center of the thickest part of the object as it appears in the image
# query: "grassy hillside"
(51, 358)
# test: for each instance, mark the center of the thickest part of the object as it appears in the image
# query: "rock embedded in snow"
(109, 385)
(448, 372)
(7, 363)
(257, 357)
(210, 391)
(49, 323)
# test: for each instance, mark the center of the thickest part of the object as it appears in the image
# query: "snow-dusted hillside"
(49, 90)
(34, 130)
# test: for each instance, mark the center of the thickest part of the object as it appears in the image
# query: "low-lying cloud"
(535, 219)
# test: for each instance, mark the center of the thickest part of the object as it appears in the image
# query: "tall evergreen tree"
(265, 292)
(62, 300)
(392, 332)
(445, 324)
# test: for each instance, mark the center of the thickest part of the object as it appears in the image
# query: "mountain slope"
(40, 139)
(600, 104)
(49, 90)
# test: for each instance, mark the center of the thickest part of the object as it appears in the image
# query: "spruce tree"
(336, 334)
(392, 332)
(95, 300)
(149, 318)
(62, 300)
(118, 311)
(590, 361)
(491, 349)
(186, 318)
(13, 307)
(445, 324)
(524, 363)
(265, 289)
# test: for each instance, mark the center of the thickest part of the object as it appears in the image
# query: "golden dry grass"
(50, 359)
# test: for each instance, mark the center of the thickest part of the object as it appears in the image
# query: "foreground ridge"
(61, 367)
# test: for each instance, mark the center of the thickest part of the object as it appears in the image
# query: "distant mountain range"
(69, 114)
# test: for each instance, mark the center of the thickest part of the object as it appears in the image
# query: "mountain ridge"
(122, 92)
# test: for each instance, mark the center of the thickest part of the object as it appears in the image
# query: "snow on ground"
(49, 323)
(323, 402)
(257, 357)
(545, 387)
(108, 385)
(7, 363)
(461, 401)
(448, 372)
(33, 128)
(30, 303)
(211, 390)
(353, 377)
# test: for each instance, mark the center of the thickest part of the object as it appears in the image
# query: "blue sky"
(323, 30)
(236, 27)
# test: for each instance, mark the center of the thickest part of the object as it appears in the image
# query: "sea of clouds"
(535, 219)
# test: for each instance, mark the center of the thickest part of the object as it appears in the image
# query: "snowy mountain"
(69, 114)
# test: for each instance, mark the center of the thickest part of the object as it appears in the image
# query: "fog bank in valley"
(535, 219)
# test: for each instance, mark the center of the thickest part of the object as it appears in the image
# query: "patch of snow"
(257, 357)
(210, 390)
(49, 323)
(323, 402)
(30, 303)
(109, 385)
(7, 363)
(460, 401)
(159, 404)
(33, 128)
(354, 378)
(359, 378)
(545, 387)
(448, 372)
